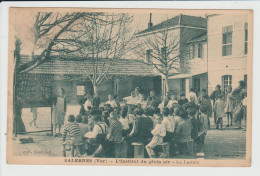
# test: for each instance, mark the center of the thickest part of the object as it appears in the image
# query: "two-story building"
(227, 50)
(191, 48)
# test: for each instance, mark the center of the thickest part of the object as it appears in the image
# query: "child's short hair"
(71, 118)
(96, 118)
(156, 110)
(183, 114)
(171, 111)
(89, 108)
(79, 119)
(147, 111)
(114, 115)
(192, 111)
(85, 119)
(165, 111)
(105, 114)
(177, 111)
(138, 111)
(203, 109)
(123, 112)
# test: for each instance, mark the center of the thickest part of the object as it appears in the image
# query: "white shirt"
(171, 102)
(168, 124)
(130, 100)
(97, 130)
(124, 122)
(112, 103)
(87, 104)
(159, 129)
(192, 94)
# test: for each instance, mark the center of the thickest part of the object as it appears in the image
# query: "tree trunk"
(18, 125)
(166, 87)
(95, 87)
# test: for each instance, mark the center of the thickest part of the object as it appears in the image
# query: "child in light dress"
(158, 132)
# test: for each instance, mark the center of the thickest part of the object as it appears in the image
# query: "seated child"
(74, 134)
(219, 111)
(167, 121)
(124, 121)
(83, 124)
(158, 132)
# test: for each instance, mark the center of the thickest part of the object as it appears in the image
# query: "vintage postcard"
(130, 87)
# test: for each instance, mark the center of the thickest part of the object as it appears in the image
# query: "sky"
(24, 20)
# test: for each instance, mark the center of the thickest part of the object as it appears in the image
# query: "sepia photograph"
(130, 87)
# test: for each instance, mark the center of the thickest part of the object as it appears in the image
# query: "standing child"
(158, 132)
(229, 106)
(219, 111)
(167, 121)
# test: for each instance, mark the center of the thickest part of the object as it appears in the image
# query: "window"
(183, 85)
(246, 38)
(80, 90)
(191, 52)
(227, 40)
(148, 55)
(226, 82)
(200, 50)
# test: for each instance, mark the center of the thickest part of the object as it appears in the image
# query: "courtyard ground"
(228, 143)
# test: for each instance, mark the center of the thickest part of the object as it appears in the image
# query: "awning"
(179, 76)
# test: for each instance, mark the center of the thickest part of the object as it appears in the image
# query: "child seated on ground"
(158, 132)
(74, 134)
(219, 111)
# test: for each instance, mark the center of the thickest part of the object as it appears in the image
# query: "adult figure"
(202, 92)
(152, 100)
(130, 100)
(238, 95)
(138, 95)
(111, 101)
(167, 98)
(192, 95)
(88, 103)
(34, 113)
(59, 110)
(215, 94)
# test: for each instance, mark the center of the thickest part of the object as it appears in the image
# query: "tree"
(102, 41)
(94, 36)
(163, 50)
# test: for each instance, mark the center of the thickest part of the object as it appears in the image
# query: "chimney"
(150, 24)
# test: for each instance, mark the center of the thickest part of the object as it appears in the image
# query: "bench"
(138, 150)
(165, 149)
(65, 149)
(121, 149)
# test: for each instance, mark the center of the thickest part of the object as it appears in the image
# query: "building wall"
(125, 85)
(235, 64)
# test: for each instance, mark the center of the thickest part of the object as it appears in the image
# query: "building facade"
(190, 34)
(227, 50)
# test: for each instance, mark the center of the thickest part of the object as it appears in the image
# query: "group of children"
(145, 121)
